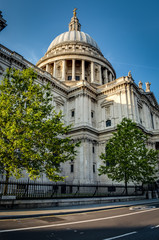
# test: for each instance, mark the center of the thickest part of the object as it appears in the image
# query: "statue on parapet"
(129, 74)
(140, 85)
(148, 84)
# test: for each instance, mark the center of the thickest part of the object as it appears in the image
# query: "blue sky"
(127, 31)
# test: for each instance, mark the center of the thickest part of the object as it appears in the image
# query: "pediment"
(106, 103)
(59, 100)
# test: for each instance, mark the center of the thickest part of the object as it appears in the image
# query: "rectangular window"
(77, 78)
(157, 145)
(92, 114)
(69, 78)
(108, 123)
(72, 113)
(72, 168)
(94, 168)
(93, 149)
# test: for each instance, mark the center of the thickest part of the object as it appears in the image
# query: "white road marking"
(141, 207)
(155, 227)
(78, 222)
(124, 235)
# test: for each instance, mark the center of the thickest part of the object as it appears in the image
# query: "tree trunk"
(126, 184)
(6, 183)
(126, 188)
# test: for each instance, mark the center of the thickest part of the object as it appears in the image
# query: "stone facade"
(2, 22)
(85, 88)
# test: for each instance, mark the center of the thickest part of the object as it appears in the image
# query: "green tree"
(127, 158)
(33, 136)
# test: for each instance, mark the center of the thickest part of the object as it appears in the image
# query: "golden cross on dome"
(74, 12)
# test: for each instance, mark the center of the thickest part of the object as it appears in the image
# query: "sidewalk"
(13, 214)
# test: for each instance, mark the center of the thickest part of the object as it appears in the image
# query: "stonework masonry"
(86, 89)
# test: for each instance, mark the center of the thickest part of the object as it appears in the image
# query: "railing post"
(96, 189)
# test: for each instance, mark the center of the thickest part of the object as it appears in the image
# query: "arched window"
(108, 123)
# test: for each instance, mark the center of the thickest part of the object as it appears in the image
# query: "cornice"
(106, 103)
(100, 133)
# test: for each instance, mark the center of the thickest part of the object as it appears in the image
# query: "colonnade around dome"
(77, 70)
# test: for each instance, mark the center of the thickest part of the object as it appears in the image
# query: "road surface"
(126, 223)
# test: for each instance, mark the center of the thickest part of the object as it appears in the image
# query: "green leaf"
(33, 136)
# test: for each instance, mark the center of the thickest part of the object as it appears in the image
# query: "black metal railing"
(36, 190)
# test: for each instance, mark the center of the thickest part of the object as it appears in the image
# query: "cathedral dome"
(76, 36)
(74, 56)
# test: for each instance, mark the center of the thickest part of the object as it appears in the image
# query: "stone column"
(73, 69)
(83, 70)
(76, 111)
(110, 77)
(133, 105)
(113, 115)
(92, 71)
(81, 109)
(63, 69)
(91, 160)
(106, 75)
(147, 117)
(54, 73)
(129, 103)
(103, 118)
(100, 75)
(124, 103)
(48, 68)
(120, 107)
(144, 122)
(81, 162)
(85, 110)
(116, 116)
(89, 112)
(154, 121)
(85, 163)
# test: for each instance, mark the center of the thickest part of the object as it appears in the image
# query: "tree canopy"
(127, 158)
(33, 137)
